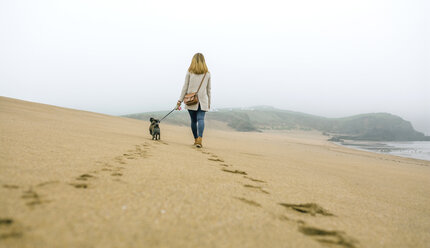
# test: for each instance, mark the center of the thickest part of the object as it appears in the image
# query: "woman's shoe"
(195, 141)
(199, 142)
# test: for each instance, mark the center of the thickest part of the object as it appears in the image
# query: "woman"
(197, 74)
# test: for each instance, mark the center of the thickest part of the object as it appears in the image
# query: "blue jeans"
(197, 122)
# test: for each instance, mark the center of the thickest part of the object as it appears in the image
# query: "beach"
(71, 178)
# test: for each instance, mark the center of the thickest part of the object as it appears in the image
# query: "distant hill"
(373, 126)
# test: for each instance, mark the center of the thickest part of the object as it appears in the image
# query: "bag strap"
(189, 78)
(201, 83)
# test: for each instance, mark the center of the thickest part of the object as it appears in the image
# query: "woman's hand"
(178, 105)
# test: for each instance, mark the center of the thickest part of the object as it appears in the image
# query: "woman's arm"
(185, 87)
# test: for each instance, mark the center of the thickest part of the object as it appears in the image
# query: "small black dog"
(156, 132)
(154, 128)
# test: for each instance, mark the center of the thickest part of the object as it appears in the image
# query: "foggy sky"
(328, 58)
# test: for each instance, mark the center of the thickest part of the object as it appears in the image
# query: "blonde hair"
(198, 64)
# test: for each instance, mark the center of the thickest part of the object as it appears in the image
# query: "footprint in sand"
(220, 162)
(142, 154)
(129, 156)
(5, 221)
(10, 229)
(116, 174)
(85, 177)
(254, 180)
(32, 198)
(120, 160)
(259, 188)
(47, 183)
(10, 186)
(80, 185)
(330, 238)
(117, 169)
(235, 171)
(249, 202)
(216, 159)
(307, 208)
(133, 154)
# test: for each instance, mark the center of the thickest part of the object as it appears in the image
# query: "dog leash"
(168, 114)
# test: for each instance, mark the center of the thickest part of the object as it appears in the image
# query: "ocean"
(409, 149)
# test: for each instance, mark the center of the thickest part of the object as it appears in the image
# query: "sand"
(72, 178)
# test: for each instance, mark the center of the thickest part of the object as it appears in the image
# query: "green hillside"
(374, 126)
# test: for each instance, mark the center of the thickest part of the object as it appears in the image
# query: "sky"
(332, 58)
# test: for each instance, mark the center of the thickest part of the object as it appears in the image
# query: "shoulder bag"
(192, 98)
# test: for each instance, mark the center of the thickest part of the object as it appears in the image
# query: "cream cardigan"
(192, 82)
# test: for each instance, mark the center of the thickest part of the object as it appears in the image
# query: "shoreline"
(419, 150)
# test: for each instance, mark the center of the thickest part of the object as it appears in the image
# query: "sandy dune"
(72, 178)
